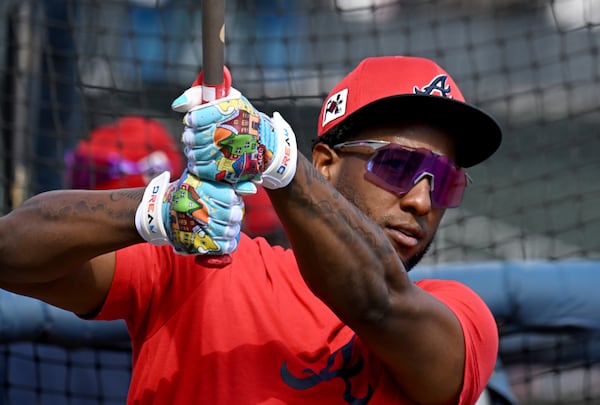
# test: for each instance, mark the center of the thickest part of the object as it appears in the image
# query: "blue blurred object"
(51, 356)
(156, 34)
(533, 295)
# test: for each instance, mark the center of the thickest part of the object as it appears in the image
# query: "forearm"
(54, 232)
(349, 263)
(344, 257)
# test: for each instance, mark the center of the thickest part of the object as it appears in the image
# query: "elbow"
(370, 310)
(379, 297)
(375, 316)
(15, 263)
(378, 306)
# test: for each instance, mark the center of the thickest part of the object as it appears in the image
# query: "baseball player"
(218, 317)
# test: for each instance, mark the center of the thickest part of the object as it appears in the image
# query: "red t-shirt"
(253, 333)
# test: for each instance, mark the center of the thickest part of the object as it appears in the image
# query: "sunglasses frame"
(375, 145)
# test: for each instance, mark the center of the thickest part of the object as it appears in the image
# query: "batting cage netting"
(527, 235)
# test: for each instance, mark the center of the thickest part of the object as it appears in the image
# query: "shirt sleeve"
(479, 330)
(141, 272)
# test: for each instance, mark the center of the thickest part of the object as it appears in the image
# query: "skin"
(378, 230)
(72, 236)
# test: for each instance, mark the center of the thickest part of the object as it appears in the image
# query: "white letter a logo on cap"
(335, 106)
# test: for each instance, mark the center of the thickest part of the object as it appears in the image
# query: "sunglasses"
(87, 172)
(398, 168)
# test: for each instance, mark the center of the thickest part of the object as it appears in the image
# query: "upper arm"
(421, 343)
(82, 291)
(437, 345)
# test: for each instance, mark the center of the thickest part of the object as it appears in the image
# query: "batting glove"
(228, 140)
(194, 216)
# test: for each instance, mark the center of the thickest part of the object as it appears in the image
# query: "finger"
(194, 137)
(222, 193)
(232, 232)
(203, 154)
(205, 171)
(192, 98)
(231, 216)
(246, 188)
(210, 113)
(228, 246)
(220, 232)
(189, 99)
(231, 241)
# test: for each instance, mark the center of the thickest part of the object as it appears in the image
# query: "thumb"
(245, 188)
(189, 99)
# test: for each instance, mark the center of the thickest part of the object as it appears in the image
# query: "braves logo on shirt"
(437, 87)
(346, 371)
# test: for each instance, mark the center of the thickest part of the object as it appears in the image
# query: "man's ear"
(325, 160)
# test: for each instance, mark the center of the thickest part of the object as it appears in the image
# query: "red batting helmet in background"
(126, 153)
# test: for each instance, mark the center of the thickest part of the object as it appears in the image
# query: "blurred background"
(527, 236)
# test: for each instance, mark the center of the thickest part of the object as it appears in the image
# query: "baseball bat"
(213, 80)
(214, 77)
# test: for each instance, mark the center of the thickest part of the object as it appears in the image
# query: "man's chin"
(413, 260)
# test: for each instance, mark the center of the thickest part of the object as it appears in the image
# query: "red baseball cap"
(126, 153)
(415, 86)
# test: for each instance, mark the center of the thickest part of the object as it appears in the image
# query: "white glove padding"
(194, 216)
(229, 140)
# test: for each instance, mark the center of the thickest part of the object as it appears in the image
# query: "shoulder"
(447, 288)
(460, 298)
(476, 319)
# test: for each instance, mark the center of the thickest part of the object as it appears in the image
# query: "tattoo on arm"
(348, 222)
(117, 204)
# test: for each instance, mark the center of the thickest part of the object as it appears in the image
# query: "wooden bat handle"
(213, 49)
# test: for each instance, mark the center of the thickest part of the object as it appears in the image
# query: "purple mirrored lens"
(398, 169)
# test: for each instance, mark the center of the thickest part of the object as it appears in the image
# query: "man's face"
(410, 221)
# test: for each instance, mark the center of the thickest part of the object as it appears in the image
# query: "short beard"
(347, 190)
(416, 258)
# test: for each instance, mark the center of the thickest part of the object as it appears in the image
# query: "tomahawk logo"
(348, 370)
(335, 106)
(437, 87)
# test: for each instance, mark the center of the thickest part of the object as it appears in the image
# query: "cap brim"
(477, 134)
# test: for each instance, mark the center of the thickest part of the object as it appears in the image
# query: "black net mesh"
(69, 66)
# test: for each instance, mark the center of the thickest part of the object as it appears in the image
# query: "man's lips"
(406, 237)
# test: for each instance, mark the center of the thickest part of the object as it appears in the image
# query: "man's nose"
(418, 198)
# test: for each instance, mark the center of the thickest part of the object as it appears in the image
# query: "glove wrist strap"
(149, 220)
(282, 168)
